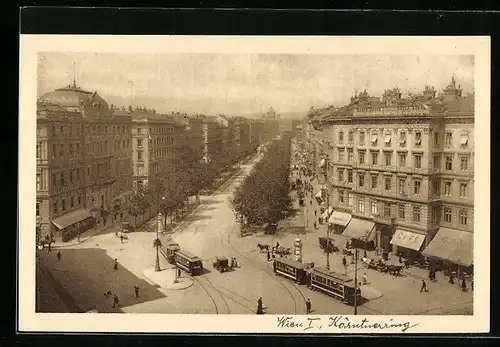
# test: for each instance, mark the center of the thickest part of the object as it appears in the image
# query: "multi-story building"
(80, 169)
(400, 171)
(152, 146)
(214, 130)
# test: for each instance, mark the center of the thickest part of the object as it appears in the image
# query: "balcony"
(383, 219)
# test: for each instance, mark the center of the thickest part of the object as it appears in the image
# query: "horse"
(263, 247)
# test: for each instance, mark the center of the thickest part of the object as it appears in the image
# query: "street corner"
(167, 279)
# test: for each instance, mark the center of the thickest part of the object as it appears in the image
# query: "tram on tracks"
(327, 282)
(188, 262)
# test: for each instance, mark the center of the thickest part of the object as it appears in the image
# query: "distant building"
(84, 165)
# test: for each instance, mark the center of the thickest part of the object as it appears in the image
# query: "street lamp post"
(327, 215)
(356, 278)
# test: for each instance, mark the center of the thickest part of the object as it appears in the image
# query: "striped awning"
(454, 245)
(71, 218)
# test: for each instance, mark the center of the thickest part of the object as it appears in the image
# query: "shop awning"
(71, 218)
(360, 229)
(454, 245)
(328, 212)
(340, 218)
(408, 239)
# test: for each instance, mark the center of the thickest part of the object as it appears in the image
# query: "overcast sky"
(243, 84)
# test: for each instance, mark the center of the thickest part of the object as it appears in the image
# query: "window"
(61, 132)
(351, 136)
(387, 184)
(362, 138)
(139, 142)
(341, 155)
(418, 138)
(464, 139)
(416, 213)
(38, 181)
(55, 207)
(38, 209)
(436, 162)
(351, 199)
(140, 171)
(63, 205)
(435, 215)
(464, 163)
(349, 176)
(401, 211)
(79, 199)
(139, 131)
(374, 158)
(374, 139)
(463, 217)
(72, 202)
(350, 155)
(341, 176)
(361, 204)
(341, 137)
(436, 139)
(70, 146)
(402, 160)
(374, 207)
(436, 186)
(418, 161)
(463, 190)
(447, 214)
(416, 187)
(54, 151)
(449, 162)
(387, 140)
(448, 139)
(447, 188)
(387, 210)
(361, 180)
(362, 157)
(62, 180)
(388, 158)
(374, 181)
(139, 155)
(402, 186)
(38, 150)
(341, 196)
(402, 139)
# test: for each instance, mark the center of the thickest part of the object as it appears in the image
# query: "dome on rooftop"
(73, 96)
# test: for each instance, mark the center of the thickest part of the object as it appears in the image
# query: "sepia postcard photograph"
(254, 184)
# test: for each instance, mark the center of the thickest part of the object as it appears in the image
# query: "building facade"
(400, 170)
(81, 171)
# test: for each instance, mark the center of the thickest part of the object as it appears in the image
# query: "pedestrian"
(58, 255)
(50, 247)
(400, 259)
(277, 245)
(116, 301)
(115, 266)
(365, 255)
(464, 285)
(308, 306)
(121, 238)
(310, 202)
(472, 284)
(136, 291)
(268, 255)
(259, 306)
(365, 279)
(178, 272)
(424, 287)
(315, 225)
(315, 212)
(451, 280)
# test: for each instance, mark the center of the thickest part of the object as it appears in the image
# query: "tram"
(170, 252)
(188, 262)
(333, 284)
(291, 269)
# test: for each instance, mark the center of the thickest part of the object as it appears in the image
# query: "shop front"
(407, 243)
(339, 220)
(455, 249)
(72, 224)
(361, 232)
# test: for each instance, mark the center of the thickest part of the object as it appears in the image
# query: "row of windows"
(79, 129)
(157, 141)
(63, 205)
(155, 130)
(416, 210)
(402, 138)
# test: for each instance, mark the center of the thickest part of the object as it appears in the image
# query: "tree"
(157, 244)
(136, 204)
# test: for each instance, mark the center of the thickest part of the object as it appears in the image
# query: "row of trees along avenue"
(263, 197)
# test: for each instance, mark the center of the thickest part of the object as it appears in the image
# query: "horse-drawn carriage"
(327, 244)
(282, 251)
(381, 266)
(221, 264)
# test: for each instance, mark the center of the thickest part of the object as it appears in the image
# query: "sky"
(246, 84)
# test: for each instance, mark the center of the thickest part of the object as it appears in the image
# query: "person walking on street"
(121, 238)
(315, 225)
(365, 279)
(464, 285)
(259, 306)
(50, 247)
(136, 291)
(58, 255)
(451, 280)
(424, 287)
(116, 301)
(315, 212)
(308, 306)
(115, 266)
(344, 262)
(178, 273)
(268, 255)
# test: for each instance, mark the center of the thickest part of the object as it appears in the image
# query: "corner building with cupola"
(84, 162)
(400, 172)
